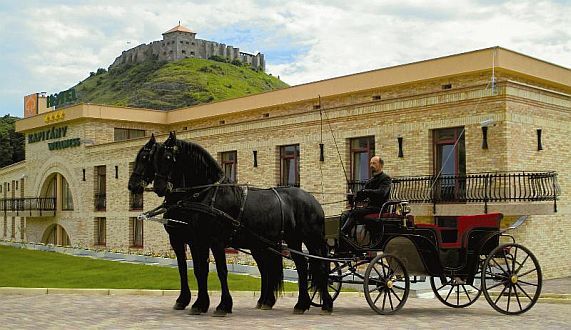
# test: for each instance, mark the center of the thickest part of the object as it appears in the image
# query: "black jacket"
(377, 189)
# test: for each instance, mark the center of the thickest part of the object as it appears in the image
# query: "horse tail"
(277, 275)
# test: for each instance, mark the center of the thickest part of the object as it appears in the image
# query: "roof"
(179, 28)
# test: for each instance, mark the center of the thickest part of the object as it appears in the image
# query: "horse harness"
(209, 208)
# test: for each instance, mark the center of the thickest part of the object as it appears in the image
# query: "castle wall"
(179, 45)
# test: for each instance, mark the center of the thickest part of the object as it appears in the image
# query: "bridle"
(146, 157)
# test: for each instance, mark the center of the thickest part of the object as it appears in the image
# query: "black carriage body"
(425, 249)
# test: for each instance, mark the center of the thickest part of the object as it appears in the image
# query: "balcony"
(512, 193)
(29, 207)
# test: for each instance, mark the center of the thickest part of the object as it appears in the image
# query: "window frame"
(134, 225)
(296, 159)
(100, 237)
(369, 150)
(232, 162)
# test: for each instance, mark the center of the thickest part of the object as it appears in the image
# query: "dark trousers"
(351, 218)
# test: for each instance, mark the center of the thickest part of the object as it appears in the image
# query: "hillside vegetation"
(11, 143)
(170, 85)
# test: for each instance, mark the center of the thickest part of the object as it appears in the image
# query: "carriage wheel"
(386, 284)
(333, 285)
(512, 279)
(455, 291)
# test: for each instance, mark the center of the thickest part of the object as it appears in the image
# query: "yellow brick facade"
(411, 108)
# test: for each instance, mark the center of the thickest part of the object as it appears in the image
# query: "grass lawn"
(39, 269)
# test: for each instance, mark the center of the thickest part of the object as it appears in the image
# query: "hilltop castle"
(179, 43)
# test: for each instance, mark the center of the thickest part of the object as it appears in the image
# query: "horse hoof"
(219, 313)
(179, 306)
(196, 311)
(298, 311)
(258, 305)
(265, 307)
(326, 312)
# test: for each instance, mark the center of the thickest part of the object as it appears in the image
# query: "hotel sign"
(62, 98)
(54, 133)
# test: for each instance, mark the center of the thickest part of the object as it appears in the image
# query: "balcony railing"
(29, 205)
(100, 202)
(475, 188)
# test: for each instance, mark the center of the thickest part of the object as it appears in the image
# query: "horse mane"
(198, 161)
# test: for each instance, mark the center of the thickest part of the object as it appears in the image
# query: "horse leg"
(257, 254)
(303, 300)
(225, 305)
(320, 273)
(200, 262)
(178, 245)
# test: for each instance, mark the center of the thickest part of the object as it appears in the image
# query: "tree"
(11, 143)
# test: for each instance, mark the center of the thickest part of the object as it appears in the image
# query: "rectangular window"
(135, 200)
(22, 228)
(449, 164)
(289, 165)
(67, 200)
(13, 227)
(100, 231)
(136, 232)
(229, 163)
(361, 150)
(122, 134)
(5, 227)
(16, 182)
(100, 188)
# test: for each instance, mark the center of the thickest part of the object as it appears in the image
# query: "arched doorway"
(56, 235)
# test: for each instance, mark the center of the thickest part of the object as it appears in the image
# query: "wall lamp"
(539, 144)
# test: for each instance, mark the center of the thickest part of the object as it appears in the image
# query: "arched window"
(56, 235)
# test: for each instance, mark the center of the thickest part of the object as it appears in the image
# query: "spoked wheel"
(333, 285)
(512, 279)
(456, 292)
(386, 284)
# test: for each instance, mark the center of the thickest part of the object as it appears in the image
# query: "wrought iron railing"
(475, 188)
(22, 205)
(100, 201)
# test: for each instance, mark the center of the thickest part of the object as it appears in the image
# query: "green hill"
(170, 85)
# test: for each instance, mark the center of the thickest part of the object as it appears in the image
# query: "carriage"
(387, 252)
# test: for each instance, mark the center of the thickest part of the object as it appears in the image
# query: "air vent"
(316, 107)
(376, 97)
(447, 86)
(222, 122)
(266, 115)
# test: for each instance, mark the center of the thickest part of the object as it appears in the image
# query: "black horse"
(243, 217)
(181, 235)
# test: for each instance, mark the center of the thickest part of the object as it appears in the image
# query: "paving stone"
(350, 311)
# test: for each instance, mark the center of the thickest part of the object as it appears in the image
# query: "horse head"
(164, 160)
(143, 170)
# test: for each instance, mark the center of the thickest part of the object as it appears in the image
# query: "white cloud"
(50, 46)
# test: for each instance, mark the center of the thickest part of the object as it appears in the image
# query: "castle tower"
(178, 43)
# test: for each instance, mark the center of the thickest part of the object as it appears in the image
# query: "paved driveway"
(72, 311)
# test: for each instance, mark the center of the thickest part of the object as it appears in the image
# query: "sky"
(49, 46)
